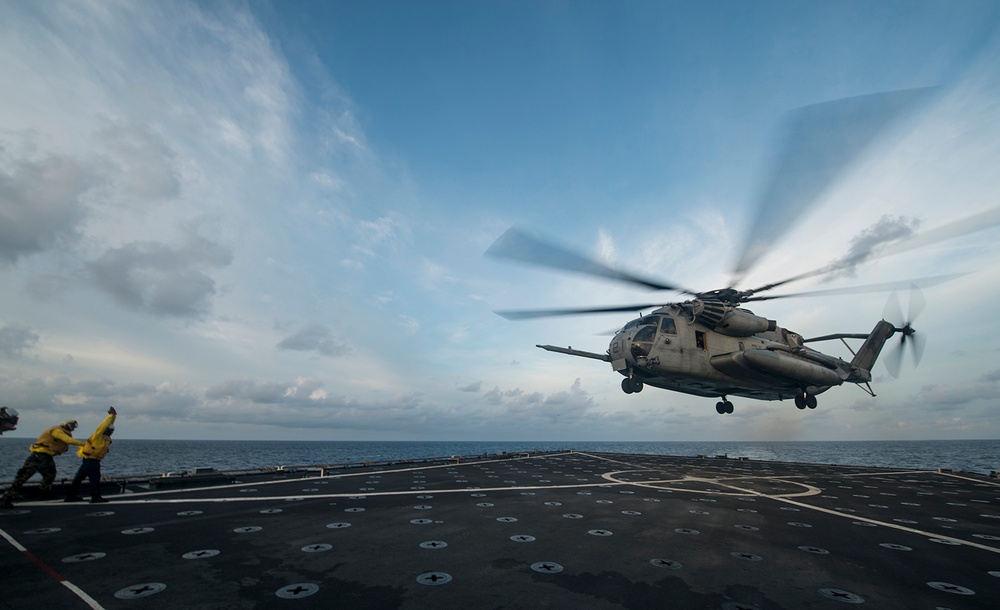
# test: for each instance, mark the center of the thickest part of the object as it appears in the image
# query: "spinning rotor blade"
(925, 282)
(820, 142)
(517, 245)
(907, 334)
(959, 228)
(548, 313)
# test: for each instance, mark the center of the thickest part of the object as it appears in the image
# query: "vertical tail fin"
(862, 364)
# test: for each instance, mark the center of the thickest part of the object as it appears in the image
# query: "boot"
(97, 500)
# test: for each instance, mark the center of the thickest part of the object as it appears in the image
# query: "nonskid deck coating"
(547, 531)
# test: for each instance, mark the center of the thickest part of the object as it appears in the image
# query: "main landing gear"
(804, 400)
(724, 406)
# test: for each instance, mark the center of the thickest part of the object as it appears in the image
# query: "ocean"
(140, 457)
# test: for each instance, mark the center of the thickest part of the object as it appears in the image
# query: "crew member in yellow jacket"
(92, 452)
(54, 441)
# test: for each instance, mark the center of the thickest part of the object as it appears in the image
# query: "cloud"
(943, 397)
(317, 338)
(567, 405)
(161, 279)
(867, 243)
(992, 376)
(146, 169)
(472, 387)
(61, 396)
(41, 205)
(15, 339)
(304, 403)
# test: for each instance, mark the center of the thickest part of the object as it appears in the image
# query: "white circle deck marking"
(434, 578)
(140, 590)
(202, 554)
(547, 567)
(316, 548)
(895, 547)
(297, 590)
(842, 596)
(947, 587)
(84, 557)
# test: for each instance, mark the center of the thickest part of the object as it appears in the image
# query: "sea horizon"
(155, 456)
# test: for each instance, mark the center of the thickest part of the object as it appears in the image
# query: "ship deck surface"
(552, 530)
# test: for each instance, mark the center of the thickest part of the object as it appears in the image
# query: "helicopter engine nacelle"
(729, 320)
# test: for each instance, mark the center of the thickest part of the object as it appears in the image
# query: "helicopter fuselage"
(708, 348)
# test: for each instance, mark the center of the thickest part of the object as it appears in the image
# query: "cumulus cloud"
(565, 405)
(62, 396)
(15, 339)
(316, 338)
(304, 403)
(161, 279)
(41, 205)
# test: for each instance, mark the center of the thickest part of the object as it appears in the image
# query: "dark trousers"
(41, 463)
(91, 469)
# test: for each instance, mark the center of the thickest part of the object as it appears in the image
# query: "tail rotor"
(908, 334)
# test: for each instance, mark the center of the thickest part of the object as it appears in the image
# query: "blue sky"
(257, 220)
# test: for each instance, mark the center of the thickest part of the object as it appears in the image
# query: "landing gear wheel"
(631, 385)
(810, 401)
(729, 406)
(720, 408)
(800, 401)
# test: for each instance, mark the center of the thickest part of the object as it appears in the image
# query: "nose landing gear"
(724, 406)
(631, 385)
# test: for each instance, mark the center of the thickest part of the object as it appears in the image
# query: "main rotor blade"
(548, 313)
(518, 245)
(959, 228)
(867, 288)
(819, 143)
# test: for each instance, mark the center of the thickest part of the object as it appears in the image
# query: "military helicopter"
(712, 347)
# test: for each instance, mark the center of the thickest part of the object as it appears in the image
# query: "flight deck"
(546, 530)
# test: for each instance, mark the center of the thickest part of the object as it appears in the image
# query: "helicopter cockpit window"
(645, 335)
(631, 324)
(649, 320)
(667, 325)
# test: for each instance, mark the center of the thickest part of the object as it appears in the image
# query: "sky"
(255, 220)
